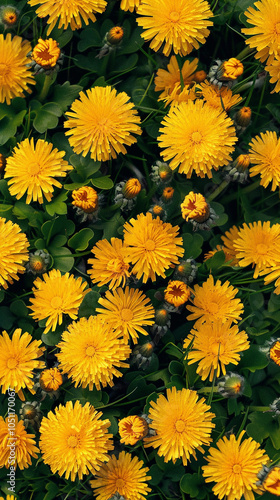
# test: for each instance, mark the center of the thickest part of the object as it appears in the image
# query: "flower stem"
(245, 190)
(244, 53)
(45, 89)
(218, 190)
(260, 408)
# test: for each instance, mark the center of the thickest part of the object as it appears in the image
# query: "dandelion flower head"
(51, 379)
(219, 98)
(228, 241)
(177, 293)
(130, 5)
(46, 53)
(132, 428)
(273, 69)
(166, 79)
(265, 157)
(85, 198)
(25, 444)
(195, 207)
(181, 25)
(13, 252)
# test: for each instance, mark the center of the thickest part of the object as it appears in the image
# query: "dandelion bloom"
(66, 13)
(55, 295)
(166, 80)
(15, 73)
(195, 207)
(264, 17)
(152, 246)
(50, 380)
(197, 137)
(181, 25)
(228, 241)
(265, 157)
(230, 69)
(271, 481)
(182, 423)
(85, 198)
(24, 443)
(213, 301)
(177, 95)
(234, 466)
(218, 98)
(18, 358)
(75, 440)
(91, 353)
(46, 53)
(127, 311)
(124, 476)
(132, 428)
(130, 5)
(258, 244)
(273, 69)
(102, 122)
(215, 345)
(177, 293)
(110, 264)
(272, 273)
(32, 169)
(13, 252)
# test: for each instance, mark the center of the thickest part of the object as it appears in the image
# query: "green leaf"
(10, 118)
(132, 43)
(191, 484)
(80, 240)
(192, 244)
(274, 110)
(5, 209)
(51, 338)
(60, 225)
(89, 37)
(57, 205)
(253, 359)
(18, 308)
(23, 211)
(216, 261)
(111, 227)
(175, 368)
(103, 182)
(84, 166)
(52, 490)
(46, 116)
(156, 474)
(63, 259)
(7, 319)
(89, 304)
(65, 94)
(259, 427)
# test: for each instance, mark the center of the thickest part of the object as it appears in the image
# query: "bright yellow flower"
(228, 241)
(258, 244)
(218, 98)
(55, 295)
(91, 351)
(234, 466)
(124, 476)
(230, 69)
(264, 17)
(9, 497)
(213, 301)
(75, 440)
(110, 264)
(274, 352)
(85, 198)
(102, 122)
(197, 137)
(166, 80)
(13, 252)
(271, 482)
(51, 379)
(152, 246)
(130, 5)
(215, 345)
(115, 35)
(46, 53)
(132, 428)
(182, 423)
(18, 358)
(32, 169)
(272, 273)
(127, 312)
(24, 444)
(265, 156)
(273, 69)
(177, 293)
(181, 25)
(177, 95)
(195, 207)
(15, 73)
(68, 13)
(131, 188)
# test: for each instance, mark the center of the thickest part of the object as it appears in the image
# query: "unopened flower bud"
(158, 211)
(115, 35)
(142, 354)
(132, 429)
(9, 16)
(269, 479)
(50, 379)
(231, 385)
(2, 162)
(31, 414)
(38, 262)
(167, 194)
(162, 317)
(199, 76)
(131, 188)
(177, 293)
(242, 117)
(196, 210)
(161, 172)
(230, 69)
(186, 271)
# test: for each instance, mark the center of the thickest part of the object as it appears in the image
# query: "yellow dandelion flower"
(18, 360)
(166, 80)
(152, 246)
(85, 198)
(181, 25)
(127, 312)
(15, 73)
(13, 252)
(177, 95)
(197, 137)
(274, 352)
(132, 428)
(228, 241)
(265, 156)
(16, 450)
(55, 295)
(9, 497)
(65, 13)
(230, 69)
(258, 244)
(177, 293)
(215, 345)
(46, 53)
(273, 69)
(131, 188)
(51, 379)
(271, 481)
(130, 5)
(264, 16)
(79, 435)
(234, 466)
(110, 264)
(272, 273)
(91, 351)
(218, 98)
(124, 475)
(31, 170)
(182, 423)
(102, 122)
(213, 301)
(195, 207)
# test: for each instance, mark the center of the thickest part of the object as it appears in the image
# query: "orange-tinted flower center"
(12, 363)
(174, 16)
(212, 307)
(33, 169)
(196, 137)
(4, 70)
(262, 248)
(236, 469)
(72, 441)
(56, 302)
(217, 348)
(277, 29)
(120, 484)
(150, 245)
(126, 315)
(180, 425)
(90, 350)
(116, 265)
